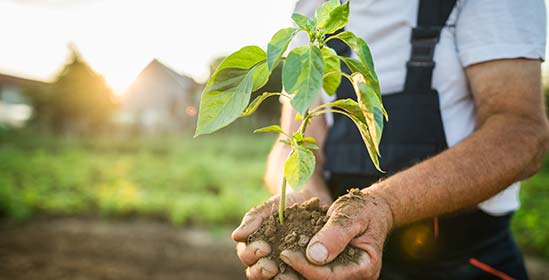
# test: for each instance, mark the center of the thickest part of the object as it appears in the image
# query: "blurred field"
(210, 180)
(531, 222)
(207, 181)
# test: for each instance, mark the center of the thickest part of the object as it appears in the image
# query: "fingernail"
(240, 227)
(266, 272)
(318, 252)
(243, 224)
(235, 231)
(259, 253)
(283, 257)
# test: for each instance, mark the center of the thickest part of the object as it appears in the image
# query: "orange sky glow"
(120, 37)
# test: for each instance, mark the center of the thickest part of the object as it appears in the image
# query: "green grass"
(531, 222)
(210, 180)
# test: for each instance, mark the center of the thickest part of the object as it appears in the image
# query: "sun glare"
(119, 38)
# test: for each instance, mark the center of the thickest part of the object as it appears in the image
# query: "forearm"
(504, 150)
(315, 187)
(275, 166)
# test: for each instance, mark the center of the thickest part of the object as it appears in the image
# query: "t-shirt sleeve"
(500, 29)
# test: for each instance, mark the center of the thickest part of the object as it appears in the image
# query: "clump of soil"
(301, 223)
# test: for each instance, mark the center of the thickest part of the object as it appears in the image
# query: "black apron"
(415, 132)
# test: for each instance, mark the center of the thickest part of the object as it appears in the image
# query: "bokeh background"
(100, 177)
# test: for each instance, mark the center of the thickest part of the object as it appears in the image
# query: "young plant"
(306, 70)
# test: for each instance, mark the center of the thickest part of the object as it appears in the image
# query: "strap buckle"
(424, 40)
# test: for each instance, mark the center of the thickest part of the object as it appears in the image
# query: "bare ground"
(84, 249)
(93, 249)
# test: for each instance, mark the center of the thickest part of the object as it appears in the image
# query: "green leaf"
(350, 106)
(332, 63)
(299, 167)
(261, 75)
(278, 45)
(302, 76)
(322, 13)
(311, 146)
(354, 65)
(304, 23)
(337, 19)
(285, 142)
(224, 101)
(368, 141)
(358, 67)
(352, 110)
(271, 128)
(298, 137)
(309, 139)
(300, 20)
(370, 105)
(228, 91)
(245, 58)
(359, 46)
(254, 105)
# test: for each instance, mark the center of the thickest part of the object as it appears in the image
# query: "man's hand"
(253, 255)
(361, 219)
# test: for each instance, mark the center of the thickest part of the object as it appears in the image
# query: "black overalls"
(415, 132)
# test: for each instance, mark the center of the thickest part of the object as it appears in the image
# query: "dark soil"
(86, 249)
(94, 249)
(301, 223)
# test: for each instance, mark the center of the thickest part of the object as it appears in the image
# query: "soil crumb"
(301, 222)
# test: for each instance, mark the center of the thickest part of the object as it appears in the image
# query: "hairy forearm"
(504, 150)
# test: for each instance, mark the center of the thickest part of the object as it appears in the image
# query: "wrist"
(316, 187)
(382, 205)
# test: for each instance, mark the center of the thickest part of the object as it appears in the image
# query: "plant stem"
(282, 201)
(304, 123)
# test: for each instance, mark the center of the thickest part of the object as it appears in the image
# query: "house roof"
(18, 81)
(181, 79)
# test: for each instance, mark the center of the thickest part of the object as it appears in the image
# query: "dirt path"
(79, 249)
(91, 249)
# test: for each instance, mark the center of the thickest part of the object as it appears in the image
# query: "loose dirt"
(301, 223)
(86, 249)
(95, 249)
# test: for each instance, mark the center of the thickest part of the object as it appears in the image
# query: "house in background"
(160, 100)
(15, 107)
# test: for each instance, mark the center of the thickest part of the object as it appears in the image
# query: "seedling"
(306, 70)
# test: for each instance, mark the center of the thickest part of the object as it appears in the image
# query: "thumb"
(345, 223)
(332, 239)
(252, 221)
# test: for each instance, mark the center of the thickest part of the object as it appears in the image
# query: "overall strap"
(432, 16)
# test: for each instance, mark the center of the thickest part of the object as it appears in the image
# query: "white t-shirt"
(476, 31)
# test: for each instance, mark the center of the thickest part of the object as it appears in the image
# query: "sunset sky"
(119, 37)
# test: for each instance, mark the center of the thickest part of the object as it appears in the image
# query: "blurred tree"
(79, 101)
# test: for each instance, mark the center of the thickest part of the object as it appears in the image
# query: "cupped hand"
(361, 219)
(253, 255)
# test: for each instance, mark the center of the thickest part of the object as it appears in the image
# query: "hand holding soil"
(342, 242)
(359, 220)
(253, 255)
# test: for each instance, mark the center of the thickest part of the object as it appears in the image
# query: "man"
(458, 139)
